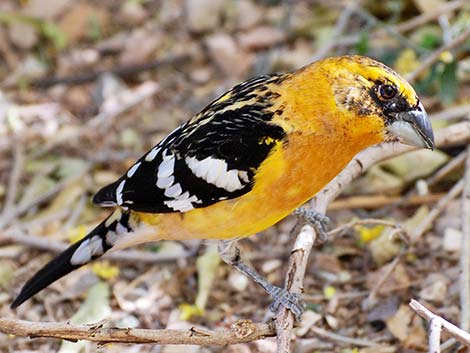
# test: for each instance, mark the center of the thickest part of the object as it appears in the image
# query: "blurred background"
(86, 87)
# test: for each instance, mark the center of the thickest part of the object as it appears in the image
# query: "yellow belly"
(288, 178)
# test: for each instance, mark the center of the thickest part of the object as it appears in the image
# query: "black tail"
(93, 246)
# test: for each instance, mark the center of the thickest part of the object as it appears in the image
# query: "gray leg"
(316, 219)
(230, 254)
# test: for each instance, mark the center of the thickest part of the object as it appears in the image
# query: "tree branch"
(298, 261)
(244, 331)
(241, 331)
(459, 334)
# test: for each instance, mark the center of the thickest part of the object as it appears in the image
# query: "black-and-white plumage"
(212, 157)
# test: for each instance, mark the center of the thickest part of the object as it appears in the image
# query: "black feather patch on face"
(389, 104)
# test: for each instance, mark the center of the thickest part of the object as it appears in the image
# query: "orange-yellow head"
(379, 95)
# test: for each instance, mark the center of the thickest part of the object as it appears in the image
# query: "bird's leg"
(230, 254)
(316, 219)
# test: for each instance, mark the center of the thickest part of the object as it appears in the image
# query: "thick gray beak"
(413, 128)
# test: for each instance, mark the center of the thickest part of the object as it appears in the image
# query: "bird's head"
(381, 96)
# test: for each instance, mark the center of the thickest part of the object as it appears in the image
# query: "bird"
(250, 158)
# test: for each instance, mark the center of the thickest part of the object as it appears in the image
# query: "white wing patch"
(180, 201)
(119, 192)
(214, 171)
(86, 250)
(133, 169)
(167, 166)
(173, 191)
(152, 154)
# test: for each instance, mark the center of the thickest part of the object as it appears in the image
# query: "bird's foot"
(316, 219)
(288, 300)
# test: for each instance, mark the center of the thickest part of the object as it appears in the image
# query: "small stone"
(452, 240)
(271, 265)
(435, 288)
(132, 13)
(203, 15)
(332, 321)
(46, 9)
(309, 318)
(23, 35)
(201, 75)
(238, 281)
(436, 292)
(262, 37)
(248, 14)
(238, 348)
(232, 60)
(140, 47)
(267, 345)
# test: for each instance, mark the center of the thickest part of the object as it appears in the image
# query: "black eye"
(387, 91)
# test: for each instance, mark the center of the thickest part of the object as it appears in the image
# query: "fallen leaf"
(406, 326)
(206, 265)
(94, 309)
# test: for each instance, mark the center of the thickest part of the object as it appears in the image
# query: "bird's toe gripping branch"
(291, 301)
(230, 254)
(316, 219)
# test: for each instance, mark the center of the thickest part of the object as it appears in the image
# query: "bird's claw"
(288, 300)
(316, 219)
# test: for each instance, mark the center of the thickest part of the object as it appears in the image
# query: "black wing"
(212, 157)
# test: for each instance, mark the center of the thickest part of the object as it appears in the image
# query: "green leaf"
(448, 83)
(362, 46)
(429, 41)
(54, 34)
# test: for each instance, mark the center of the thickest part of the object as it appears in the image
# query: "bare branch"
(435, 329)
(453, 134)
(241, 331)
(459, 334)
(431, 59)
(132, 256)
(306, 238)
(465, 252)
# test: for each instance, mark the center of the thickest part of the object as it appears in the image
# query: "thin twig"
(435, 329)
(434, 57)
(428, 15)
(15, 174)
(114, 106)
(307, 236)
(366, 221)
(390, 30)
(465, 251)
(294, 283)
(131, 256)
(388, 272)
(22, 208)
(241, 331)
(459, 334)
(427, 222)
(456, 133)
(121, 71)
(378, 201)
(338, 31)
(451, 113)
(343, 339)
(449, 167)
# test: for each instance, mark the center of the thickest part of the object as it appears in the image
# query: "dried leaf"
(94, 309)
(207, 265)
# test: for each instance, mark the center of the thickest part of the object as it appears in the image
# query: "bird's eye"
(387, 91)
